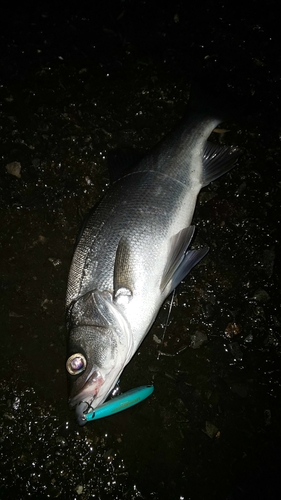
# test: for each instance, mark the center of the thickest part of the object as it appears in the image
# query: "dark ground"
(77, 82)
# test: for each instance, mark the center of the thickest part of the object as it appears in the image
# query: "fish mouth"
(88, 398)
(93, 394)
(82, 409)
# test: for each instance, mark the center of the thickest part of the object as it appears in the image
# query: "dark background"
(78, 80)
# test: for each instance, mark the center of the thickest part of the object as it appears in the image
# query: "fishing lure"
(120, 403)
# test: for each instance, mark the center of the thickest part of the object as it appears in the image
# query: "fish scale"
(123, 216)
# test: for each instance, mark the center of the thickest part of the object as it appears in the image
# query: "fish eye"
(76, 364)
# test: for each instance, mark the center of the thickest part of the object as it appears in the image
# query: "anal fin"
(217, 160)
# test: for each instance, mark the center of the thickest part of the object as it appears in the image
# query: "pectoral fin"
(123, 273)
(180, 260)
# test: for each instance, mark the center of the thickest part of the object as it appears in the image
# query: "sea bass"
(133, 252)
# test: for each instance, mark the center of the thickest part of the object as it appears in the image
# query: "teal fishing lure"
(120, 403)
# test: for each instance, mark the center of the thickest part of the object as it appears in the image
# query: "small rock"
(41, 239)
(156, 339)
(88, 180)
(235, 350)
(261, 295)
(241, 188)
(198, 339)
(240, 389)
(14, 168)
(55, 262)
(45, 303)
(232, 329)
(36, 162)
(211, 430)
(13, 314)
(8, 416)
(267, 417)
(206, 196)
(259, 311)
(249, 338)
(208, 310)
(268, 261)
(61, 441)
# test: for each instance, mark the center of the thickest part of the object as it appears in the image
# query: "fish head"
(99, 347)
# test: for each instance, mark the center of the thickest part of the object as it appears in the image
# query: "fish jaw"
(86, 400)
(97, 354)
(94, 393)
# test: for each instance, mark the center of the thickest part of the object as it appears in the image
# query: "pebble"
(235, 350)
(198, 339)
(79, 489)
(232, 329)
(211, 430)
(261, 295)
(14, 168)
(240, 389)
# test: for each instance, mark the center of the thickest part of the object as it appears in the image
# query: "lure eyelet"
(76, 364)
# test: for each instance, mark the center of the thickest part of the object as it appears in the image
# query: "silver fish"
(133, 252)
